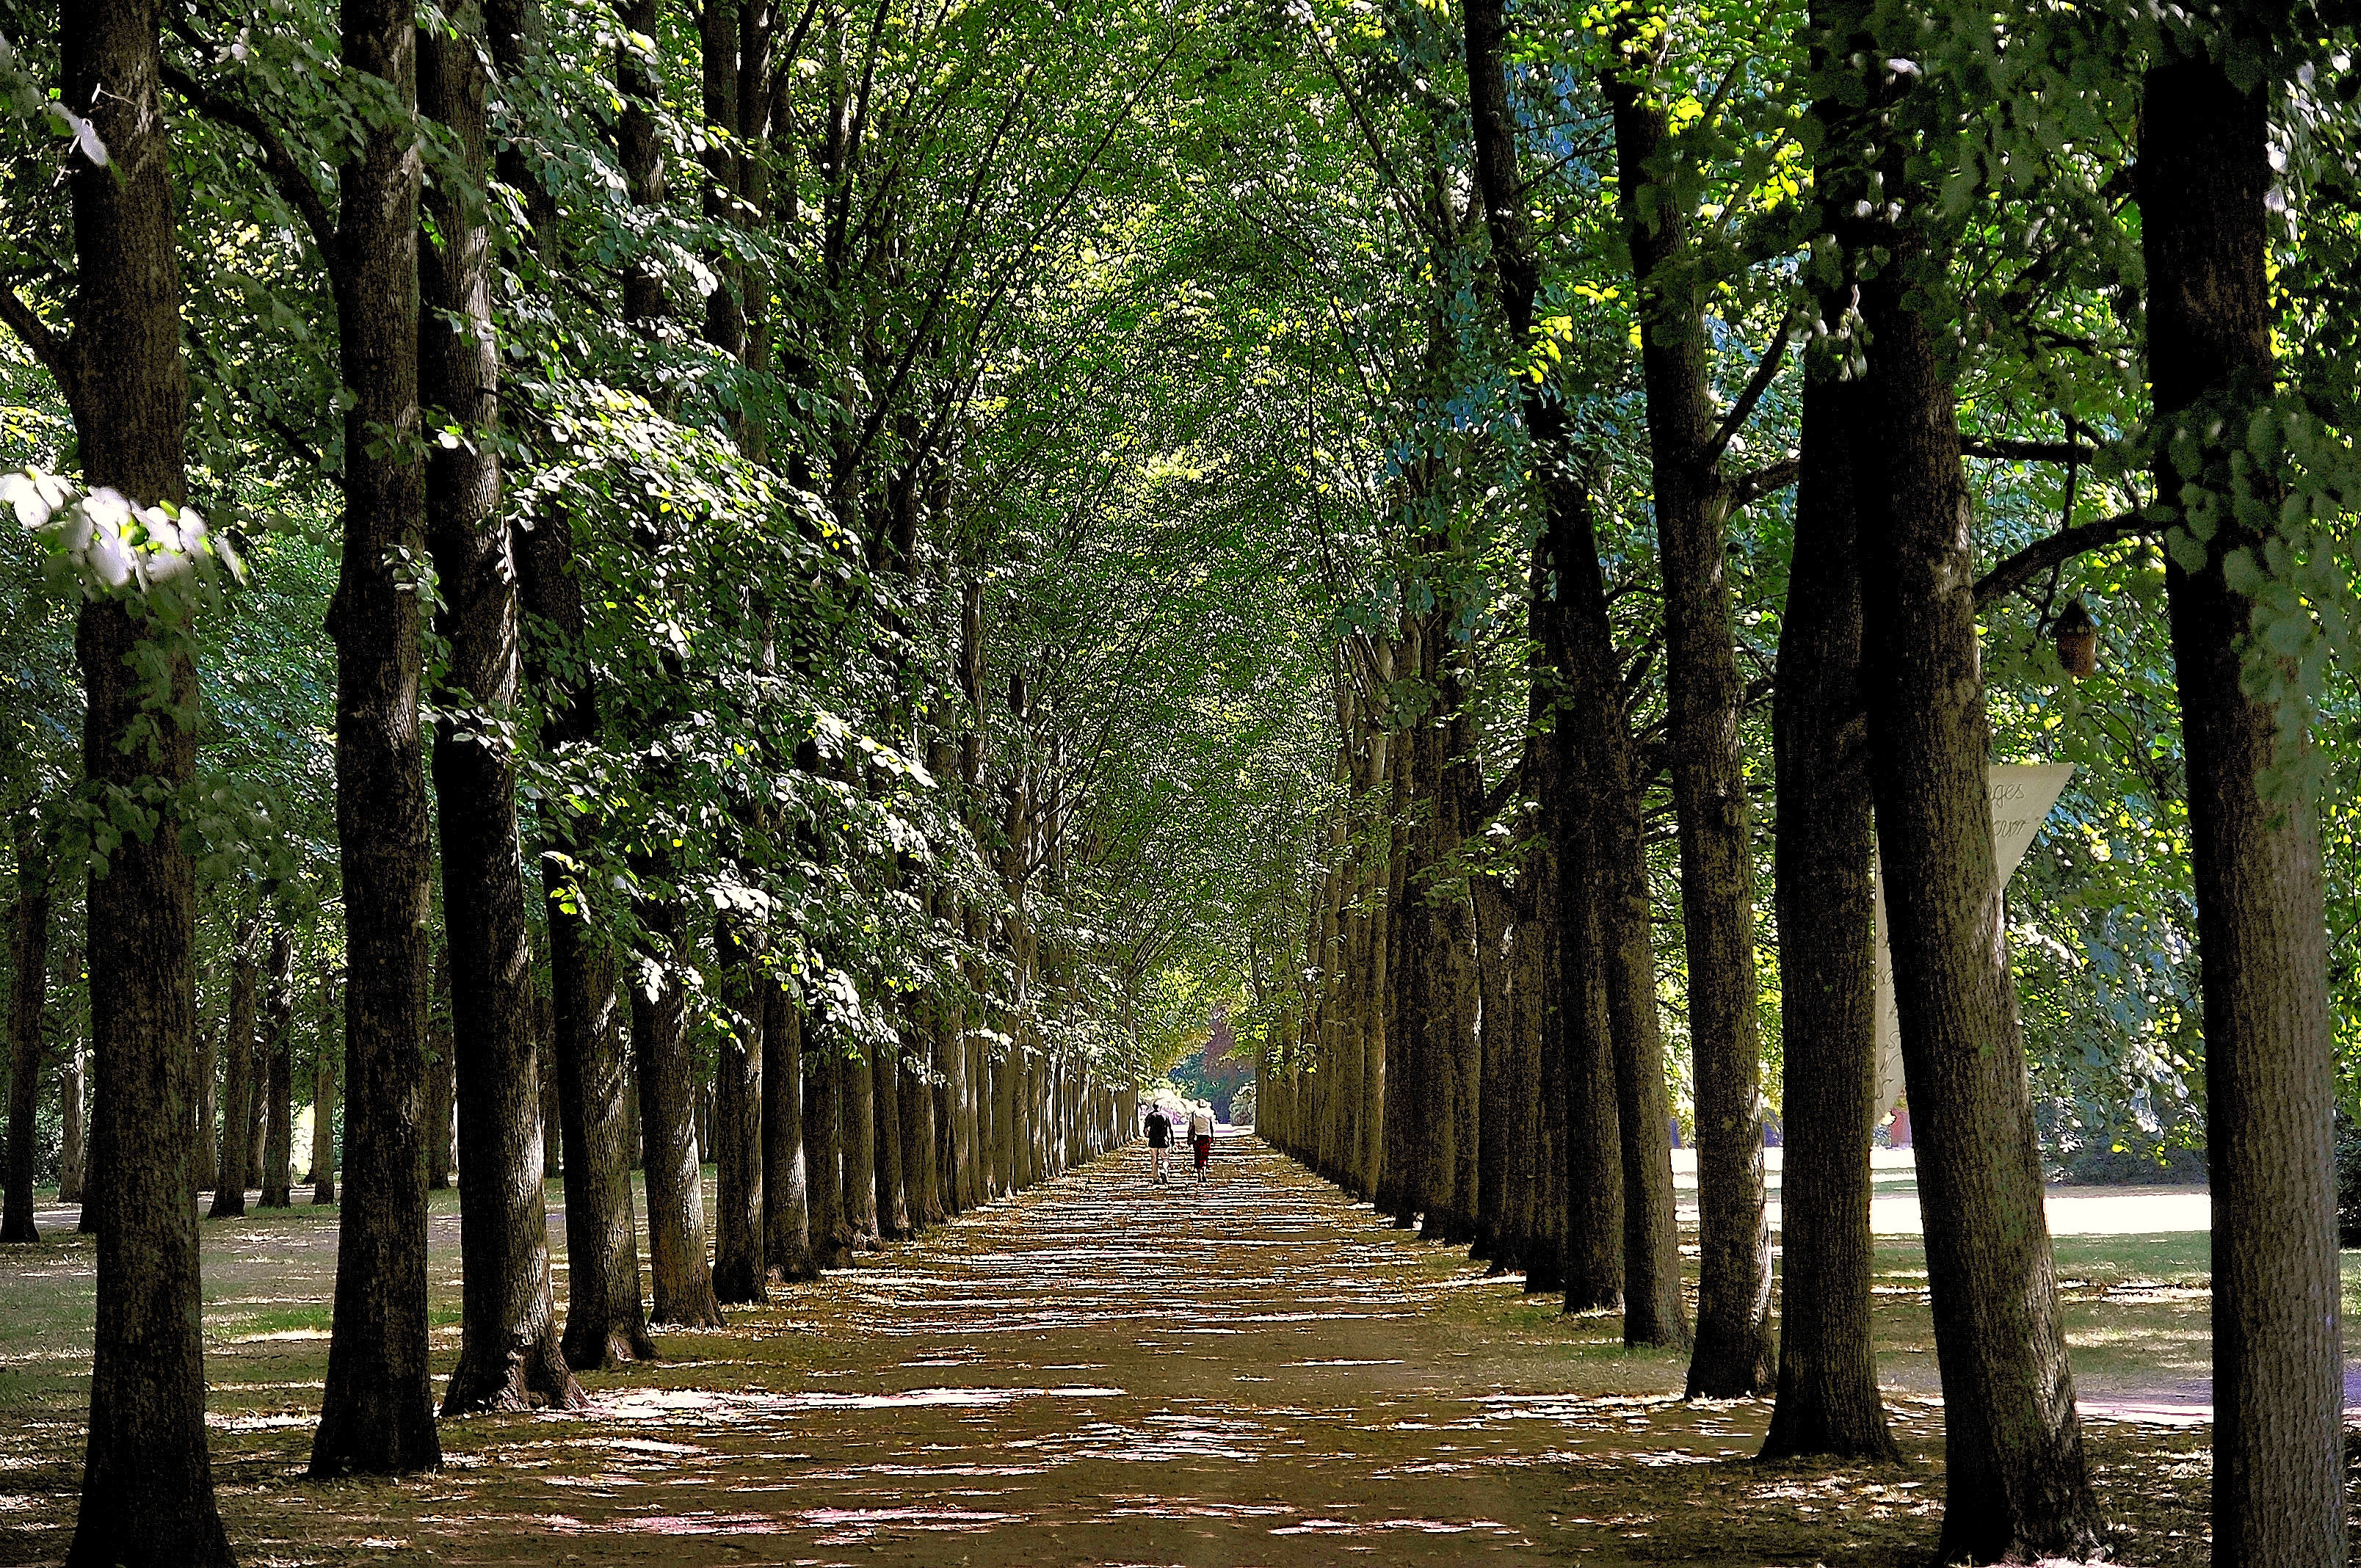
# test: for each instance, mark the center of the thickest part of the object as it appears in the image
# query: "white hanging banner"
(2021, 797)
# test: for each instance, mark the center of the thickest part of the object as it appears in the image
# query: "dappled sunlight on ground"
(1101, 1372)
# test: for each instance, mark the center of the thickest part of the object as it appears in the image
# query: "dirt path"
(1101, 1372)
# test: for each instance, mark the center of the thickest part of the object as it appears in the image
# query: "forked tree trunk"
(29, 955)
(1828, 1402)
(738, 1272)
(378, 1413)
(787, 1201)
(147, 1491)
(2017, 1482)
(2278, 1461)
(278, 1079)
(238, 1087)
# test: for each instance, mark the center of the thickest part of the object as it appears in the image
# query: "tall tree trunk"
(237, 1088)
(92, 1176)
(2017, 1482)
(147, 1491)
(278, 1178)
(1734, 1354)
(920, 1176)
(786, 1201)
(1596, 822)
(206, 1161)
(510, 1355)
(378, 1413)
(738, 1272)
(1505, 1113)
(606, 1321)
(832, 1232)
(1828, 1400)
(72, 1155)
(27, 995)
(1399, 1172)
(256, 1116)
(324, 1101)
(2278, 1468)
(675, 1185)
(442, 1075)
(885, 1086)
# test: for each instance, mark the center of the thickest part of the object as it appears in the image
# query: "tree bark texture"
(147, 1491)
(2278, 1461)
(206, 1161)
(892, 1188)
(1734, 1355)
(858, 1110)
(72, 1155)
(831, 1231)
(29, 951)
(442, 1076)
(606, 1320)
(1827, 1401)
(238, 1086)
(378, 1413)
(278, 1078)
(786, 1200)
(509, 1354)
(667, 1077)
(324, 1104)
(2017, 1482)
(738, 1271)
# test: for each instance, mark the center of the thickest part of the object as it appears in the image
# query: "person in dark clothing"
(1159, 1143)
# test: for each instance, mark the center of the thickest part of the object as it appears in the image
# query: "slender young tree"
(2205, 179)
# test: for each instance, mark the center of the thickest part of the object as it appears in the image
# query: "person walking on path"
(1160, 1142)
(1200, 1136)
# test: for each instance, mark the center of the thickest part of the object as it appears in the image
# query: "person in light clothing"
(1200, 1136)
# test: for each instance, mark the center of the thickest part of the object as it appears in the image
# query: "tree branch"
(1748, 488)
(2029, 451)
(292, 182)
(1743, 409)
(47, 347)
(2061, 546)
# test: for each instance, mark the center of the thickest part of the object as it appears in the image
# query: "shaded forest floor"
(1104, 1371)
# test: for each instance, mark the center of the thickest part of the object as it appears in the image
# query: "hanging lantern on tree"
(2078, 641)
